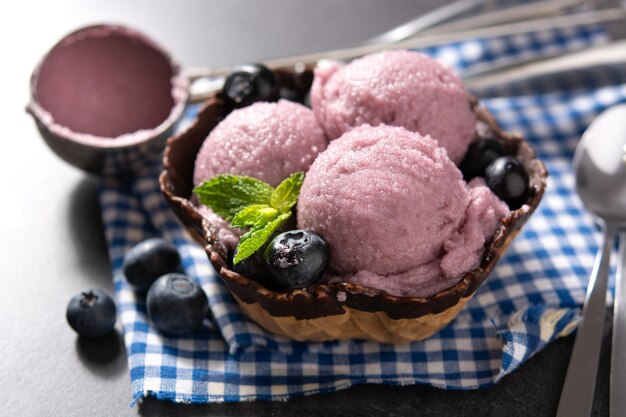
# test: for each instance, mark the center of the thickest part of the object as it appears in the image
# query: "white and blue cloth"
(533, 296)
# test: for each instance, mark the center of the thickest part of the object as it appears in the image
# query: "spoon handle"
(617, 403)
(580, 380)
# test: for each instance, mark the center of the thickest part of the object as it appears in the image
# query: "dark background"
(51, 237)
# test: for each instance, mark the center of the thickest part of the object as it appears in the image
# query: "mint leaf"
(257, 236)
(228, 194)
(285, 196)
(254, 215)
(248, 202)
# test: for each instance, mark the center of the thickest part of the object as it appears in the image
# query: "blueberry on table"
(248, 84)
(297, 258)
(176, 304)
(148, 260)
(91, 313)
(478, 157)
(508, 179)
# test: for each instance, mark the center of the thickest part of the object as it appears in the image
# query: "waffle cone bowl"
(331, 311)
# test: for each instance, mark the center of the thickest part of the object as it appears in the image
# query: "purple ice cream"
(267, 141)
(396, 212)
(398, 88)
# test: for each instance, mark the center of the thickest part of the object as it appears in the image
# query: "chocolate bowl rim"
(323, 299)
(179, 91)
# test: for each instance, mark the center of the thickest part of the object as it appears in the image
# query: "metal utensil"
(204, 81)
(617, 399)
(514, 13)
(600, 168)
(488, 76)
(425, 21)
(532, 25)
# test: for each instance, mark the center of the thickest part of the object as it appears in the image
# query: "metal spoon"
(600, 168)
(617, 402)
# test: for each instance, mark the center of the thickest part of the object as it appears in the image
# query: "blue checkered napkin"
(532, 297)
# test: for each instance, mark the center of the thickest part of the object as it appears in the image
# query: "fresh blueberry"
(248, 84)
(148, 260)
(479, 155)
(176, 304)
(307, 100)
(297, 259)
(254, 267)
(508, 179)
(91, 313)
(251, 267)
(290, 94)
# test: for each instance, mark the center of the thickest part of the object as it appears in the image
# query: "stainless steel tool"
(600, 169)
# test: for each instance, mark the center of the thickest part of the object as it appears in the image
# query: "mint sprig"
(254, 215)
(229, 194)
(257, 236)
(248, 202)
(285, 196)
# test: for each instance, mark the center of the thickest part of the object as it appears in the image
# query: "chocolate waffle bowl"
(331, 311)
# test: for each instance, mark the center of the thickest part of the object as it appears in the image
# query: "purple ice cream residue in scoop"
(267, 141)
(106, 82)
(396, 212)
(398, 88)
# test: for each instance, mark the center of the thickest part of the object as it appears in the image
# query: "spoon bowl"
(600, 166)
